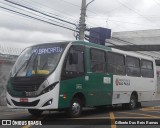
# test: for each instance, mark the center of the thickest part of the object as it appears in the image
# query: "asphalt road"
(110, 117)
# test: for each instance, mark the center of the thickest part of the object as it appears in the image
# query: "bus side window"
(115, 63)
(147, 68)
(97, 60)
(74, 65)
(133, 66)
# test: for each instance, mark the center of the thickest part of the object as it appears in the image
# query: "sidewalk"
(6, 109)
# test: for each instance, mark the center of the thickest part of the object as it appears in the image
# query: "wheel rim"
(76, 108)
(133, 103)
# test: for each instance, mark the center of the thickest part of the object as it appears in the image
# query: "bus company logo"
(117, 82)
(122, 82)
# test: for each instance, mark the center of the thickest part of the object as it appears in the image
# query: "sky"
(117, 15)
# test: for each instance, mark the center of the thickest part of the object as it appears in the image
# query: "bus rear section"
(134, 78)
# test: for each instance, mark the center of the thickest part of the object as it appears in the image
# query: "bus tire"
(35, 112)
(75, 108)
(133, 102)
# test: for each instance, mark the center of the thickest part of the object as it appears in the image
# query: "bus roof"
(139, 55)
(102, 47)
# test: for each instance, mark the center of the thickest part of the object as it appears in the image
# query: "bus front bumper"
(46, 101)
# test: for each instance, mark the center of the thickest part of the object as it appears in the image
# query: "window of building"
(97, 61)
(115, 63)
(147, 68)
(133, 66)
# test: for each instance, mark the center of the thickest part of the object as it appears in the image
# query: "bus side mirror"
(73, 58)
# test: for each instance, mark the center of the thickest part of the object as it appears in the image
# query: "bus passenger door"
(72, 76)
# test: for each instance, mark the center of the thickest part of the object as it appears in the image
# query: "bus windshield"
(38, 60)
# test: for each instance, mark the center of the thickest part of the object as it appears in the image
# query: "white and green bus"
(72, 75)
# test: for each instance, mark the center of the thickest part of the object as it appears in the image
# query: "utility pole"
(82, 25)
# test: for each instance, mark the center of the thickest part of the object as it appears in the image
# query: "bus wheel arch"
(76, 104)
(133, 102)
(81, 97)
(138, 104)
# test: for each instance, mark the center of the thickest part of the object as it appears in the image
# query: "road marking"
(154, 111)
(136, 117)
(112, 117)
(151, 109)
(140, 114)
(27, 126)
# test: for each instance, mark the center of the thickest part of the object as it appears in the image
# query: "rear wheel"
(35, 112)
(75, 108)
(133, 102)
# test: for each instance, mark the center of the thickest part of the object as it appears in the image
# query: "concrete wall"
(4, 75)
(143, 37)
(140, 37)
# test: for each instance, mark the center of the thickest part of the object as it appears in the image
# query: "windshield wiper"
(26, 62)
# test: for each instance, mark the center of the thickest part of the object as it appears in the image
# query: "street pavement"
(90, 116)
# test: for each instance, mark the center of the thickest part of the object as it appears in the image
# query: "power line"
(22, 14)
(128, 22)
(39, 16)
(91, 12)
(71, 3)
(44, 10)
(78, 6)
(40, 12)
(135, 11)
(157, 2)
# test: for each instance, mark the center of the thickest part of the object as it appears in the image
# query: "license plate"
(23, 99)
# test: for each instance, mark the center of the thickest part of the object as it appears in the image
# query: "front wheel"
(35, 112)
(75, 108)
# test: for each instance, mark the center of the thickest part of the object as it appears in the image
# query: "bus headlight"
(49, 102)
(49, 88)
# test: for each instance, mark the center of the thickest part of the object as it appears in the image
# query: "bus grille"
(26, 104)
(26, 84)
(27, 88)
